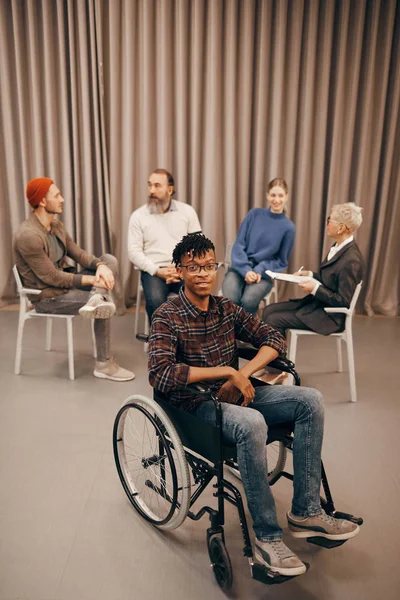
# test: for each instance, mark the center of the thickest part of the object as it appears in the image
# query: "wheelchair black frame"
(203, 472)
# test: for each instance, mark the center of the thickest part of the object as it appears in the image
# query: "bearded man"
(154, 230)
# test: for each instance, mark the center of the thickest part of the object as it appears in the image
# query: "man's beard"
(157, 208)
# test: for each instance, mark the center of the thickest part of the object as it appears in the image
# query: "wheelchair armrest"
(344, 311)
(281, 363)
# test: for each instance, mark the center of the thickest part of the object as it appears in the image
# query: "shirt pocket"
(191, 352)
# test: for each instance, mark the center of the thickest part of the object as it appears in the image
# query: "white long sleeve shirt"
(153, 237)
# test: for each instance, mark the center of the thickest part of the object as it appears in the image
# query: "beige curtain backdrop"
(227, 94)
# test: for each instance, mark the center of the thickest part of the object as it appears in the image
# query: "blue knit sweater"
(265, 241)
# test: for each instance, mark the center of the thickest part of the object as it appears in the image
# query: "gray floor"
(67, 531)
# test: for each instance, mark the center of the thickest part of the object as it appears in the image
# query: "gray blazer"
(339, 278)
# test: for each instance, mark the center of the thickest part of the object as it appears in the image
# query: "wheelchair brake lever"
(198, 389)
(142, 337)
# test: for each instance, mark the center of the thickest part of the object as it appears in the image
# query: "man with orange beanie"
(41, 245)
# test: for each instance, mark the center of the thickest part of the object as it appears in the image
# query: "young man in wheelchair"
(193, 339)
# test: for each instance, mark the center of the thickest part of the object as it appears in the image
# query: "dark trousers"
(156, 291)
(282, 316)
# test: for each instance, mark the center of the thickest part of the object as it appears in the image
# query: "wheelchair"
(166, 457)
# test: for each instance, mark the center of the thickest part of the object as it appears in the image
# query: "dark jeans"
(72, 301)
(156, 291)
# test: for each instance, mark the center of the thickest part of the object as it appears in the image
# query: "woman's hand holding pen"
(303, 273)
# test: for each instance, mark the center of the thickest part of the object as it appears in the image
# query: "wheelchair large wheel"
(276, 460)
(151, 462)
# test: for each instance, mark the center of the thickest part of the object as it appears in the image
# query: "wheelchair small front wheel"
(151, 462)
(220, 562)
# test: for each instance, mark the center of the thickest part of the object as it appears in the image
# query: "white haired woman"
(333, 285)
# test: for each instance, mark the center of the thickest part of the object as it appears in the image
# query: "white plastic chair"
(344, 336)
(266, 300)
(139, 291)
(26, 312)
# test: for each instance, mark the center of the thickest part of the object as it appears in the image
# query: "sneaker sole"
(306, 533)
(102, 311)
(282, 571)
(101, 375)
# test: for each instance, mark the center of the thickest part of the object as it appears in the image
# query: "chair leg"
(93, 339)
(274, 291)
(339, 354)
(70, 342)
(292, 346)
(18, 353)
(352, 370)
(49, 324)
(146, 331)
(137, 311)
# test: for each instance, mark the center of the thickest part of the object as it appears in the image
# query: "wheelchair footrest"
(342, 515)
(325, 543)
(264, 575)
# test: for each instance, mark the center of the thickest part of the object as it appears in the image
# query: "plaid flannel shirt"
(183, 336)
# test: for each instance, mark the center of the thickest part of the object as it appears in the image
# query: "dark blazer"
(339, 278)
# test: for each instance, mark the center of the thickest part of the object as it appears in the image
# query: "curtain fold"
(227, 94)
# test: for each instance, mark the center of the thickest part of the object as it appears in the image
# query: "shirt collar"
(192, 309)
(346, 241)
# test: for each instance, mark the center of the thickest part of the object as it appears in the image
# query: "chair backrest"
(355, 298)
(17, 279)
(228, 254)
(23, 291)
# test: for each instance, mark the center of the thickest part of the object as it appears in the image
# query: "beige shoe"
(276, 556)
(110, 369)
(98, 307)
(322, 525)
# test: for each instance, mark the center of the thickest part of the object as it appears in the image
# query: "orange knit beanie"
(36, 190)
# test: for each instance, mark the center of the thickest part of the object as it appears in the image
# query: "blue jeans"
(156, 291)
(247, 428)
(248, 296)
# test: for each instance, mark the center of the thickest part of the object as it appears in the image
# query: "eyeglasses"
(329, 220)
(195, 269)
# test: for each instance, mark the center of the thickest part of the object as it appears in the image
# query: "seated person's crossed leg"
(40, 246)
(193, 339)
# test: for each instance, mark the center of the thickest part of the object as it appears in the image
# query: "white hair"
(349, 214)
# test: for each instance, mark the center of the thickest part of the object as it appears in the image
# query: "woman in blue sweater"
(265, 241)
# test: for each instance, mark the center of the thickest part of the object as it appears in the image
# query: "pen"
(301, 268)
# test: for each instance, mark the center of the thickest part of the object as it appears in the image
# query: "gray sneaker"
(97, 307)
(110, 369)
(276, 556)
(322, 525)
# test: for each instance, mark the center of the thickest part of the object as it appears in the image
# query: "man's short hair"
(169, 176)
(193, 244)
